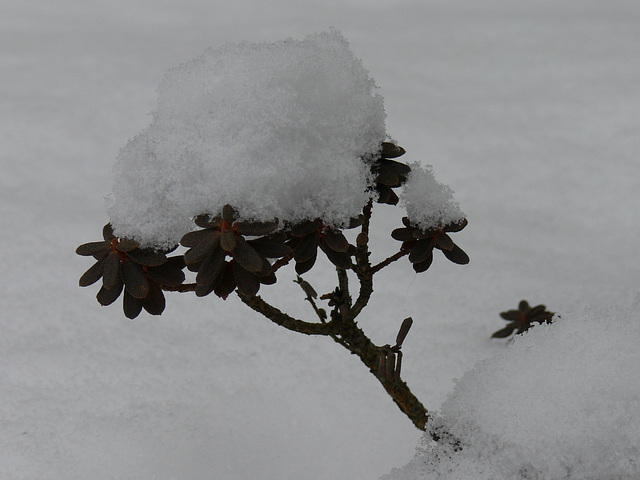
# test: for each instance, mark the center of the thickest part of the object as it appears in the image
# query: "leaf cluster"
(230, 254)
(522, 319)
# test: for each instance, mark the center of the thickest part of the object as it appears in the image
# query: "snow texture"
(278, 130)
(428, 202)
(560, 403)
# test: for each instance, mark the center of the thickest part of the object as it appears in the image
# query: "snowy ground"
(528, 110)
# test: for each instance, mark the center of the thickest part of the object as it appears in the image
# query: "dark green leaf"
(305, 228)
(247, 282)
(207, 241)
(423, 234)
(387, 177)
(228, 283)
(456, 226)
(107, 297)
(255, 228)
(170, 273)
(307, 248)
(93, 248)
(207, 221)
(107, 233)
(396, 167)
(421, 251)
(269, 249)
(211, 268)
(111, 271)
(523, 305)
(336, 241)
(444, 242)
(544, 317)
(303, 267)
(191, 239)
(228, 213)
(126, 245)
(424, 265)
(268, 279)
(339, 259)
(194, 267)
(154, 303)
(390, 150)
(355, 222)
(536, 310)
(247, 257)
(408, 245)
(147, 257)
(505, 332)
(204, 290)
(265, 270)
(92, 275)
(384, 194)
(456, 255)
(228, 240)
(511, 315)
(132, 306)
(135, 281)
(403, 234)
(393, 198)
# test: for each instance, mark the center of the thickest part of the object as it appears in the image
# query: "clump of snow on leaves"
(428, 203)
(278, 130)
(560, 403)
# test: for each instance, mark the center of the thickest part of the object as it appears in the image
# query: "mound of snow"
(563, 402)
(275, 129)
(428, 202)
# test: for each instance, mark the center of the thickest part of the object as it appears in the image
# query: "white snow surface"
(278, 130)
(528, 110)
(560, 403)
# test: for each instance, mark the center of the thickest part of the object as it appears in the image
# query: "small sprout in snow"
(523, 319)
(421, 242)
(140, 272)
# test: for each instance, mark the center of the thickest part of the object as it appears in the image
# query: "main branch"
(272, 313)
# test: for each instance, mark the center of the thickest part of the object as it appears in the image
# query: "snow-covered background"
(528, 110)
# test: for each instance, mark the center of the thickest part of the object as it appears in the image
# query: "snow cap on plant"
(429, 203)
(278, 130)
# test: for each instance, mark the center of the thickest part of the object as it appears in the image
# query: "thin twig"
(343, 285)
(272, 313)
(388, 261)
(362, 267)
